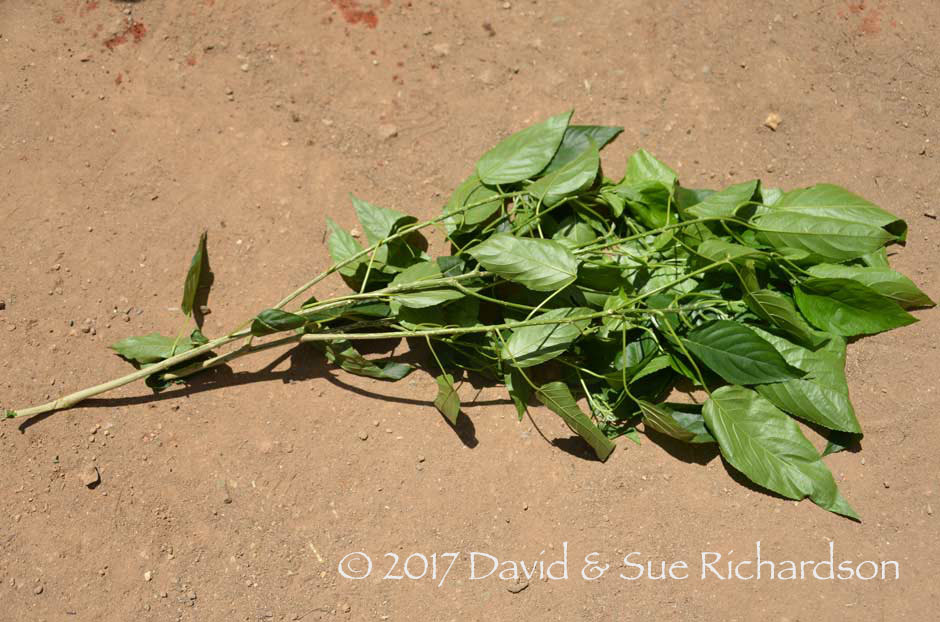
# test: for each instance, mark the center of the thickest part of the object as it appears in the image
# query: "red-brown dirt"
(126, 128)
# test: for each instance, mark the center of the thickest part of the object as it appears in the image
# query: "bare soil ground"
(126, 128)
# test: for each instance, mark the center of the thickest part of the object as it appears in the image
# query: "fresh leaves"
(447, 400)
(537, 343)
(561, 282)
(272, 321)
(738, 354)
(540, 265)
(524, 154)
(558, 398)
(198, 276)
(152, 348)
(768, 447)
(848, 308)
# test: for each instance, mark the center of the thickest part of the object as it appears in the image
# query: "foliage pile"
(564, 284)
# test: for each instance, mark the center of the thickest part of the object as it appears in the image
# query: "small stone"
(442, 49)
(244, 67)
(345, 607)
(863, 461)
(886, 484)
(355, 232)
(375, 423)
(363, 436)
(89, 475)
(421, 458)
(772, 121)
(928, 214)
(163, 594)
(427, 31)
(387, 131)
(148, 576)
(191, 595)
(3, 305)
(929, 510)
(507, 5)
(38, 590)
(515, 588)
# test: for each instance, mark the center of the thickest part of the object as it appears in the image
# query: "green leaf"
(379, 222)
(447, 400)
(540, 265)
(840, 441)
(342, 247)
(557, 397)
(414, 275)
(717, 249)
(577, 139)
(519, 391)
(883, 280)
(848, 308)
(151, 348)
(344, 354)
(738, 354)
(688, 427)
(570, 178)
(822, 395)
(643, 167)
(471, 192)
(524, 154)
(779, 310)
(828, 201)
(768, 447)
(195, 275)
(822, 237)
(533, 345)
(725, 203)
(272, 321)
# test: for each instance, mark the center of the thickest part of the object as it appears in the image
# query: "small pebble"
(515, 588)
(387, 131)
(363, 436)
(148, 576)
(886, 484)
(929, 510)
(37, 590)
(89, 475)
(932, 215)
(772, 121)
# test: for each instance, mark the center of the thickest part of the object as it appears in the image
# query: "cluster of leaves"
(563, 284)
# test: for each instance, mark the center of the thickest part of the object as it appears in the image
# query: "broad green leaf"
(577, 139)
(840, 441)
(822, 395)
(342, 247)
(447, 400)
(151, 348)
(558, 398)
(570, 178)
(198, 338)
(885, 281)
(472, 192)
(272, 321)
(822, 237)
(379, 222)
(414, 275)
(540, 265)
(770, 196)
(779, 310)
(877, 259)
(738, 354)
(194, 276)
(725, 203)
(688, 427)
(833, 202)
(717, 249)
(344, 354)
(768, 447)
(533, 345)
(848, 308)
(524, 154)
(519, 391)
(643, 167)
(687, 197)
